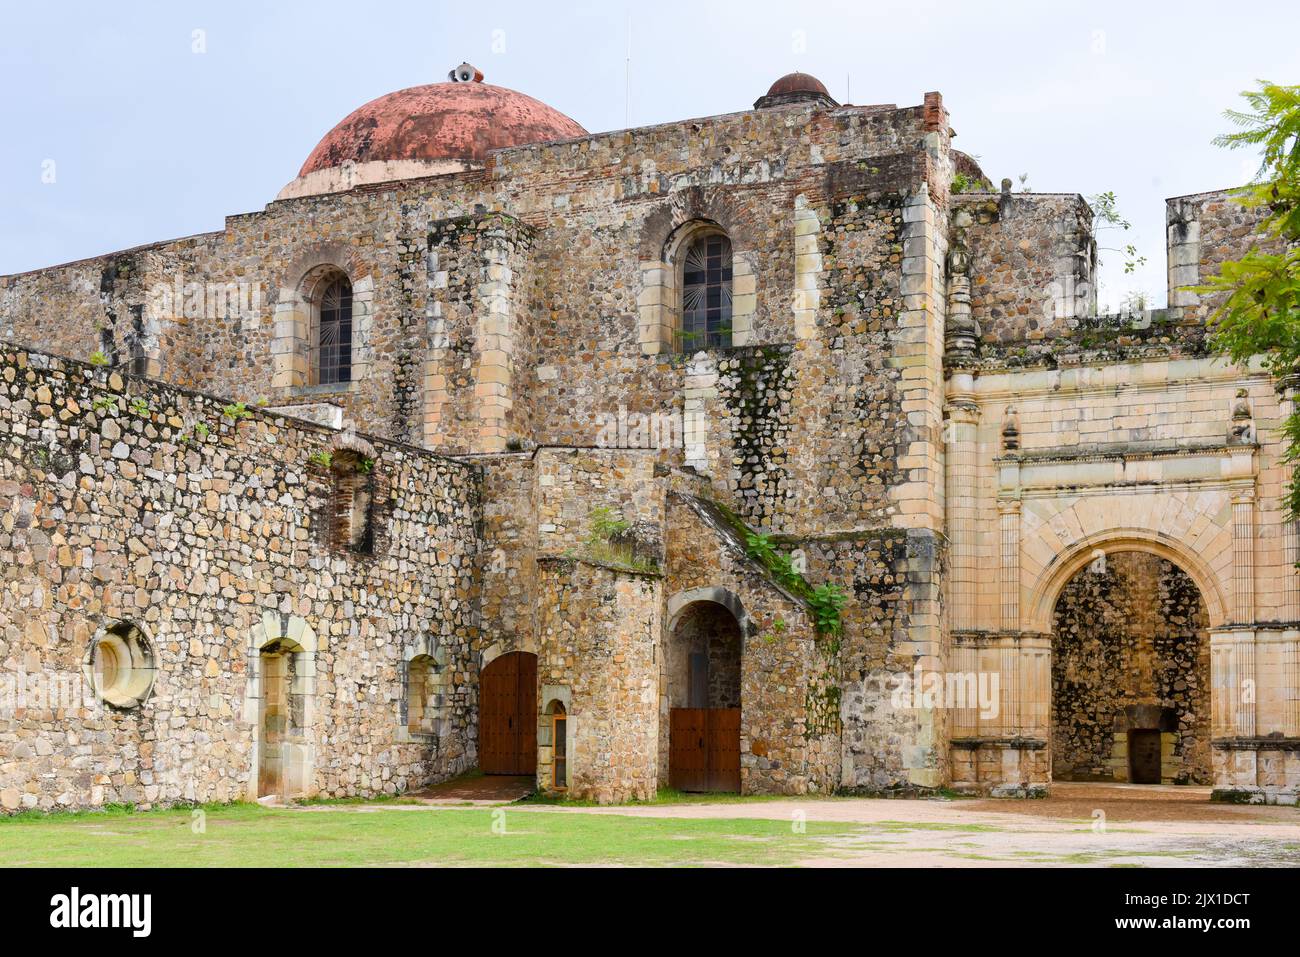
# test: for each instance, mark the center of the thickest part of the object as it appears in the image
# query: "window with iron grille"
(334, 333)
(706, 295)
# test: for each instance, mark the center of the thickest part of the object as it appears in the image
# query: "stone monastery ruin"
(494, 444)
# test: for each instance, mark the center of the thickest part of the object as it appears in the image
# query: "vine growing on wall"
(826, 600)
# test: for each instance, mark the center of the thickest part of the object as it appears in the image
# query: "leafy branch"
(1259, 314)
(1106, 215)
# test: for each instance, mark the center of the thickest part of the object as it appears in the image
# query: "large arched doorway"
(507, 730)
(1131, 673)
(703, 673)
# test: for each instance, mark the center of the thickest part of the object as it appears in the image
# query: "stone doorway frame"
(1079, 557)
(299, 640)
(676, 606)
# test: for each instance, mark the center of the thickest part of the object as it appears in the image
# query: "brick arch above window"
(353, 505)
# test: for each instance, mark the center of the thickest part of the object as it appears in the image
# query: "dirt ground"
(1088, 825)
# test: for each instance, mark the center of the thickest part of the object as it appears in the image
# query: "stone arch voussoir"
(1080, 553)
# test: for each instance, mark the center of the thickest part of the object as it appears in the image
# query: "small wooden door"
(687, 750)
(1144, 757)
(508, 715)
(704, 749)
(724, 750)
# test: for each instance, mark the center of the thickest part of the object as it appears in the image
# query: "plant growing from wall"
(608, 542)
(102, 403)
(1260, 311)
(98, 359)
(962, 183)
(236, 412)
(322, 458)
(826, 600)
(1106, 215)
(140, 407)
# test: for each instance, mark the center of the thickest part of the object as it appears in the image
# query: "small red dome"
(797, 83)
(460, 121)
(799, 88)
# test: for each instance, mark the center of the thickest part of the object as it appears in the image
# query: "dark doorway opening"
(1144, 756)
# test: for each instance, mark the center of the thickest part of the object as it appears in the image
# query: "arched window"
(706, 294)
(334, 333)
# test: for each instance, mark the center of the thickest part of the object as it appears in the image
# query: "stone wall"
(126, 500)
(597, 635)
(1130, 650)
(789, 676)
(1032, 263)
(1203, 231)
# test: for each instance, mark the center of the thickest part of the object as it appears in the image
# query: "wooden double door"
(507, 728)
(704, 749)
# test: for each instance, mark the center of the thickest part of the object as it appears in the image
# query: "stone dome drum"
(426, 131)
(795, 88)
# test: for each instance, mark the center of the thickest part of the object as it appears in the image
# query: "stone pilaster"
(807, 269)
(1243, 556)
(1009, 519)
(1290, 528)
(1233, 683)
(1291, 686)
(1183, 242)
(961, 461)
(437, 356)
(495, 337)
(700, 388)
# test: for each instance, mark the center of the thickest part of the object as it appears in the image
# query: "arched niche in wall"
(280, 705)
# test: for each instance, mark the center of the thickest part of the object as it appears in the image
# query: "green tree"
(1260, 311)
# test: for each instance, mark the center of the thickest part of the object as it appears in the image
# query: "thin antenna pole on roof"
(627, 77)
(848, 88)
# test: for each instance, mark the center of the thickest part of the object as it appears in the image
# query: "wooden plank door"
(687, 755)
(498, 694)
(704, 749)
(508, 715)
(525, 716)
(723, 744)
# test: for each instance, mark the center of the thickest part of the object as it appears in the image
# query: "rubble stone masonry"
(127, 500)
(918, 404)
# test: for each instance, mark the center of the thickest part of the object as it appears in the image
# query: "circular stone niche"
(120, 665)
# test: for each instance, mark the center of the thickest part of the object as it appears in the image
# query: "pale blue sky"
(151, 140)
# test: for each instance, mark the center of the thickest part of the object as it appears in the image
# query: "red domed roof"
(797, 83)
(460, 121)
(800, 88)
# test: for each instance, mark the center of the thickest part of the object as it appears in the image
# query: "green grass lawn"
(253, 836)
